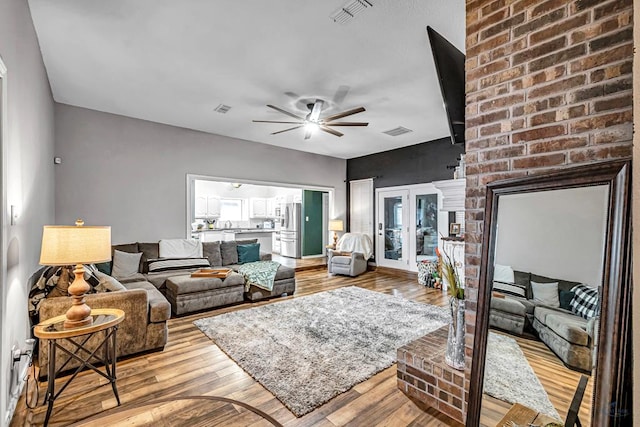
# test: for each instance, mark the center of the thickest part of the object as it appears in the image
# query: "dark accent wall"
(415, 164)
(311, 222)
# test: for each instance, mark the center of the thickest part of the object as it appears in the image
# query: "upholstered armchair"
(350, 263)
(351, 255)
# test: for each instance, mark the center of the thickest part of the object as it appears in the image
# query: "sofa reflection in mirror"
(553, 276)
(546, 280)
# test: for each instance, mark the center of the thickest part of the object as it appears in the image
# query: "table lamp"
(335, 225)
(67, 245)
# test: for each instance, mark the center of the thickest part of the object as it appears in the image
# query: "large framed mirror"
(553, 340)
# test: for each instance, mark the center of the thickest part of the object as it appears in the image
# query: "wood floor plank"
(192, 365)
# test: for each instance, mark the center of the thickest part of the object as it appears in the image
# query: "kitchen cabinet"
(271, 207)
(257, 207)
(207, 207)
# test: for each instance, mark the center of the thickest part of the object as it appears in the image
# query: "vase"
(454, 355)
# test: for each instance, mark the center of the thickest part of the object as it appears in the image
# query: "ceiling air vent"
(397, 131)
(222, 109)
(349, 10)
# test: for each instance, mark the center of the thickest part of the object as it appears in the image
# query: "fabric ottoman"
(507, 314)
(187, 294)
(285, 283)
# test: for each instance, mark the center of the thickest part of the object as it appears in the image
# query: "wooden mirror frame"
(612, 373)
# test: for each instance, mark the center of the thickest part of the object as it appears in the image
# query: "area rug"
(309, 349)
(509, 377)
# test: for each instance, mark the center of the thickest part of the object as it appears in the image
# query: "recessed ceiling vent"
(346, 13)
(397, 131)
(222, 109)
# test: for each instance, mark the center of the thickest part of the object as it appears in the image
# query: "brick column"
(548, 86)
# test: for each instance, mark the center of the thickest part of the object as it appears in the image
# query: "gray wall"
(558, 234)
(29, 174)
(131, 174)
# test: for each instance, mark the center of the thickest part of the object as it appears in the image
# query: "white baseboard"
(13, 402)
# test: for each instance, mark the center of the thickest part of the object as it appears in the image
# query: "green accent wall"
(311, 228)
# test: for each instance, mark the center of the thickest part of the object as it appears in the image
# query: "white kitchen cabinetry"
(271, 207)
(258, 207)
(207, 207)
(213, 204)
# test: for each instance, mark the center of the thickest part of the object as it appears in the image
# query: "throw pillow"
(523, 279)
(585, 302)
(90, 276)
(171, 264)
(149, 251)
(108, 283)
(211, 251)
(565, 299)
(510, 289)
(59, 282)
(125, 264)
(503, 274)
(248, 253)
(104, 267)
(546, 293)
(229, 252)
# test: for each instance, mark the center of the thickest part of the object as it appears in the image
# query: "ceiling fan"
(312, 121)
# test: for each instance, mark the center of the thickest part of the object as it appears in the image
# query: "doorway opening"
(288, 220)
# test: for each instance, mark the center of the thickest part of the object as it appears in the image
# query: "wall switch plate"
(307, 218)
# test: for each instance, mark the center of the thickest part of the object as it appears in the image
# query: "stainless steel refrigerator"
(290, 236)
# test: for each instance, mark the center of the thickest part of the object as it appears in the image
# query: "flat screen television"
(450, 71)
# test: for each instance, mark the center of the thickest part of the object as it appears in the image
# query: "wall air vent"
(349, 10)
(397, 131)
(222, 109)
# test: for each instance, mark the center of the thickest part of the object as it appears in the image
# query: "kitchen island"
(262, 234)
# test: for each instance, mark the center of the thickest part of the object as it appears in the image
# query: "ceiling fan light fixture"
(311, 126)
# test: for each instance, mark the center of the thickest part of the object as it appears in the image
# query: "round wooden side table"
(54, 332)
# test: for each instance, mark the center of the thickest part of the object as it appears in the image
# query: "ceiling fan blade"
(341, 94)
(287, 130)
(344, 114)
(286, 112)
(315, 111)
(274, 121)
(329, 130)
(346, 124)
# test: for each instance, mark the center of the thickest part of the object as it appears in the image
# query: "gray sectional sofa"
(571, 337)
(148, 299)
(186, 294)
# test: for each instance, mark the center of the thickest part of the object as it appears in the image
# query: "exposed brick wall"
(424, 376)
(548, 86)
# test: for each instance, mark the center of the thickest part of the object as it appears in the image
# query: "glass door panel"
(393, 227)
(426, 226)
(392, 236)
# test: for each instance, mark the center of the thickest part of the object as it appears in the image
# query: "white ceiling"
(174, 61)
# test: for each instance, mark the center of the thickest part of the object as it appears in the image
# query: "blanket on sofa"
(260, 273)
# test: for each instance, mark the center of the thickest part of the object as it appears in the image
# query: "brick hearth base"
(423, 375)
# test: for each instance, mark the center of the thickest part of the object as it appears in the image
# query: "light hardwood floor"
(191, 365)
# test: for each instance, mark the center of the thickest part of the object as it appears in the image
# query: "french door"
(392, 233)
(409, 225)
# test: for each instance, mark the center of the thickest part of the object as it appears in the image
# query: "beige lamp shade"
(336, 225)
(68, 245)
